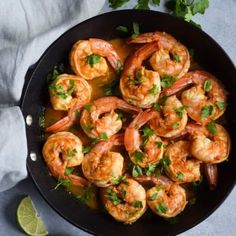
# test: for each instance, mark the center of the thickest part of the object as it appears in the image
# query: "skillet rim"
(37, 66)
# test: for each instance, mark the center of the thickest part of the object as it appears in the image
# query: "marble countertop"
(219, 22)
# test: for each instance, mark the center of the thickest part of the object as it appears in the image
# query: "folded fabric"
(27, 29)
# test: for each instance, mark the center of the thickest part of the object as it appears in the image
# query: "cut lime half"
(28, 218)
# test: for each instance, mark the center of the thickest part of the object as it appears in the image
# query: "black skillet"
(209, 55)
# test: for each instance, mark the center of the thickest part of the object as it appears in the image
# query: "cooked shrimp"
(68, 92)
(183, 167)
(125, 202)
(99, 118)
(101, 166)
(87, 58)
(139, 86)
(167, 200)
(210, 144)
(172, 58)
(63, 150)
(143, 150)
(171, 119)
(206, 100)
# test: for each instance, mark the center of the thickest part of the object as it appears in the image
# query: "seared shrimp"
(99, 118)
(68, 92)
(210, 144)
(101, 166)
(183, 167)
(206, 100)
(172, 58)
(63, 150)
(171, 119)
(167, 200)
(139, 86)
(125, 202)
(143, 150)
(87, 58)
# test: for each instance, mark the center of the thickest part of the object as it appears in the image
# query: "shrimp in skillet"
(88, 58)
(100, 118)
(167, 200)
(144, 150)
(139, 86)
(171, 118)
(125, 202)
(205, 101)
(183, 167)
(101, 166)
(172, 58)
(63, 150)
(69, 93)
(210, 144)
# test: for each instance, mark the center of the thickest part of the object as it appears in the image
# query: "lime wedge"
(29, 220)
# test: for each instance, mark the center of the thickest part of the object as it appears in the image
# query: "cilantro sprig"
(181, 8)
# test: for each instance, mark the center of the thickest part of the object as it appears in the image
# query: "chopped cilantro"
(176, 57)
(136, 171)
(62, 182)
(122, 28)
(113, 197)
(165, 161)
(220, 105)
(69, 170)
(153, 196)
(206, 111)
(167, 81)
(86, 149)
(159, 144)
(175, 125)
(147, 133)
(135, 30)
(207, 86)
(103, 136)
(154, 90)
(139, 156)
(87, 107)
(179, 111)
(92, 59)
(137, 204)
(150, 169)
(211, 127)
(71, 152)
(161, 208)
(180, 176)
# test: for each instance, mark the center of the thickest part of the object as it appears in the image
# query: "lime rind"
(29, 220)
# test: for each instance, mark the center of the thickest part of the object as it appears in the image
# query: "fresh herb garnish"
(113, 197)
(176, 57)
(117, 179)
(139, 156)
(87, 194)
(159, 144)
(175, 125)
(207, 86)
(147, 133)
(137, 204)
(167, 81)
(123, 192)
(153, 197)
(154, 90)
(135, 30)
(92, 59)
(112, 88)
(136, 171)
(220, 105)
(180, 176)
(71, 153)
(87, 107)
(150, 169)
(211, 127)
(69, 170)
(165, 161)
(103, 136)
(86, 149)
(207, 111)
(62, 182)
(179, 111)
(161, 208)
(122, 28)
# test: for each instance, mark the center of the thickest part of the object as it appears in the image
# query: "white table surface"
(219, 22)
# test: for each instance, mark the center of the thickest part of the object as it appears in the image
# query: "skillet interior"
(209, 55)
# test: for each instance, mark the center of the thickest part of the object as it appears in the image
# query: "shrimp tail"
(211, 173)
(60, 125)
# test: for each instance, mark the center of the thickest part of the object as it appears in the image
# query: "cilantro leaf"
(161, 208)
(92, 59)
(136, 171)
(206, 111)
(137, 204)
(122, 28)
(154, 90)
(207, 85)
(211, 127)
(179, 111)
(167, 81)
(220, 105)
(139, 156)
(135, 30)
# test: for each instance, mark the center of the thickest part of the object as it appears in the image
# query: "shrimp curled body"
(100, 117)
(125, 202)
(87, 58)
(102, 166)
(63, 150)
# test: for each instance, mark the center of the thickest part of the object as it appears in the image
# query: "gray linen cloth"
(27, 28)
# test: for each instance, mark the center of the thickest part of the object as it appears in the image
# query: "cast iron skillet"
(207, 52)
